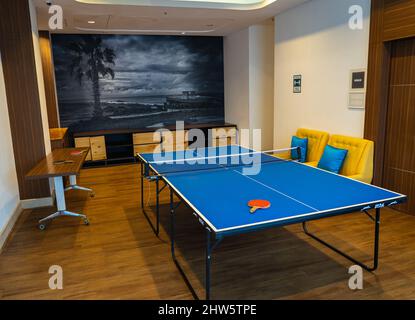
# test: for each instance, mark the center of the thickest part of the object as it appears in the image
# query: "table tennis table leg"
(172, 222)
(210, 246)
(375, 249)
(208, 263)
(156, 229)
(157, 207)
(142, 184)
(172, 242)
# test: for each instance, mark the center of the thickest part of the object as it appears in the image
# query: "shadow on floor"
(268, 264)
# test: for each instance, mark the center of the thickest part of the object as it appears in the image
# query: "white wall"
(236, 62)
(249, 74)
(261, 81)
(9, 190)
(314, 40)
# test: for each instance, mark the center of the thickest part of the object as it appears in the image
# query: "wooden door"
(399, 165)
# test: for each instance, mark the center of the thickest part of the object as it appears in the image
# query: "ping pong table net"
(211, 159)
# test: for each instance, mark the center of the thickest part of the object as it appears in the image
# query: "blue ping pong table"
(218, 195)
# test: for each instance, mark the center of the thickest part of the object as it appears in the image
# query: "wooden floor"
(118, 256)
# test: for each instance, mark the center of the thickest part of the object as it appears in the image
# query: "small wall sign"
(297, 81)
(357, 80)
(357, 89)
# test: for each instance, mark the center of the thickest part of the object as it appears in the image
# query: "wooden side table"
(58, 164)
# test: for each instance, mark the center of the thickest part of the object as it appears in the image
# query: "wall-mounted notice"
(297, 81)
(357, 89)
(358, 80)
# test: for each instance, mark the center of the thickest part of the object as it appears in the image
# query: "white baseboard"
(37, 203)
(4, 234)
(24, 204)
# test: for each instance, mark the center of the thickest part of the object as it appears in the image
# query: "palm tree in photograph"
(92, 60)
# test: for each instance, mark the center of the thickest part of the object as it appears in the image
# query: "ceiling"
(206, 4)
(190, 17)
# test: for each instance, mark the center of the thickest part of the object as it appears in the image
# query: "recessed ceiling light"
(183, 33)
(91, 21)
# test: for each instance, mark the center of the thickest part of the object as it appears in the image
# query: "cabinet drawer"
(169, 137)
(145, 138)
(84, 143)
(170, 142)
(98, 142)
(170, 147)
(147, 148)
(225, 141)
(99, 156)
(223, 133)
(98, 148)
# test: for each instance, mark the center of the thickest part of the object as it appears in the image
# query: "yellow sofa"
(358, 164)
(317, 141)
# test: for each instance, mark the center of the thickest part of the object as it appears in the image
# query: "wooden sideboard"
(146, 142)
(224, 136)
(121, 146)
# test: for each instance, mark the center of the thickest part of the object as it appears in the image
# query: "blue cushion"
(303, 145)
(332, 159)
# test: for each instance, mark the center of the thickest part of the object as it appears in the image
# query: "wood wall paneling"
(399, 19)
(390, 20)
(49, 78)
(388, 101)
(17, 55)
(399, 164)
(377, 82)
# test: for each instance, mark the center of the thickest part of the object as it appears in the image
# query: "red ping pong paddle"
(258, 204)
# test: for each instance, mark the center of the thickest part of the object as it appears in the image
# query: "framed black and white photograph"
(109, 82)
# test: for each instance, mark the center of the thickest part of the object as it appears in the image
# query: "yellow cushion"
(286, 155)
(317, 141)
(359, 161)
(312, 163)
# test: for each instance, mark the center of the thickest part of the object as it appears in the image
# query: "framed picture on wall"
(107, 82)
